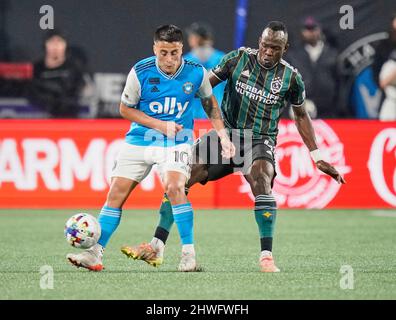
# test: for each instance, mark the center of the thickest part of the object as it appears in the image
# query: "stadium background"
(127, 26)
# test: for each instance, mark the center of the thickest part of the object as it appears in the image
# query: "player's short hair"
(168, 33)
(277, 26)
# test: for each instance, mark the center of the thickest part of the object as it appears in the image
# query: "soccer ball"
(82, 230)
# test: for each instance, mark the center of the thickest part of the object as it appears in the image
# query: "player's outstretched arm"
(214, 81)
(305, 128)
(213, 112)
(168, 128)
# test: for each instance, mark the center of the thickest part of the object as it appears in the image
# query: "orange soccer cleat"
(267, 264)
(143, 252)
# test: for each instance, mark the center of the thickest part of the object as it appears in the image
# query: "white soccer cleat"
(187, 262)
(90, 259)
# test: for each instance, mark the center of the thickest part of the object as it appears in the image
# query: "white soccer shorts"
(135, 162)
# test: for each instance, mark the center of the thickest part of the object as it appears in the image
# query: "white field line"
(383, 213)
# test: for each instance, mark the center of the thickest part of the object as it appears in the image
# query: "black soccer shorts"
(207, 150)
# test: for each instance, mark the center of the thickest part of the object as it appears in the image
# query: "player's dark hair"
(277, 26)
(168, 33)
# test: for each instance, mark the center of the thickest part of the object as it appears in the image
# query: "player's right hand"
(169, 128)
(330, 170)
(227, 147)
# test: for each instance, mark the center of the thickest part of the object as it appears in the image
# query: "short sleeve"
(226, 66)
(132, 91)
(205, 90)
(297, 91)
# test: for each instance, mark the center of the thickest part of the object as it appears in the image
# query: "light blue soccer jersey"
(164, 97)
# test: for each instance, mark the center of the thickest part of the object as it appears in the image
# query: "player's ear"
(259, 41)
(154, 49)
(286, 47)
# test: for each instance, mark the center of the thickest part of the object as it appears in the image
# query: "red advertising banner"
(67, 164)
(363, 151)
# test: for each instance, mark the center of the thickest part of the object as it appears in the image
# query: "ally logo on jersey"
(170, 106)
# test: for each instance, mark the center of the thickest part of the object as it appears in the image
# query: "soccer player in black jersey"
(259, 85)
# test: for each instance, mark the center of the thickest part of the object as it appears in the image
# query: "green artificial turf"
(310, 247)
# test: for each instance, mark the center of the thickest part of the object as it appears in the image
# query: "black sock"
(161, 234)
(266, 244)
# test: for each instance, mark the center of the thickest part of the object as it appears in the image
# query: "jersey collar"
(172, 76)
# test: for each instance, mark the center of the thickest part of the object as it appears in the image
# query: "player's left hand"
(330, 170)
(227, 147)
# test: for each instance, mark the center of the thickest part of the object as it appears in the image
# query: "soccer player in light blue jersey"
(157, 100)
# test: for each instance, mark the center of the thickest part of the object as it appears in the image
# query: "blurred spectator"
(201, 40)
(89, 94)
(57, 79)
(384, 71)
(384, 49)
(387, 81)
(316, 61)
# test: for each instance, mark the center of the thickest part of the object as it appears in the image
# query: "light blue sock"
(109, 219)
(184, 219)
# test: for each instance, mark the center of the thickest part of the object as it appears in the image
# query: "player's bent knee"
(261, 184)
(175, 190)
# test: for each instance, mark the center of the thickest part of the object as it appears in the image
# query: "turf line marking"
(383, 213)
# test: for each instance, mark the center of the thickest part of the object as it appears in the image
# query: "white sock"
(158, 245)
(188, 248)
(265, 253)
